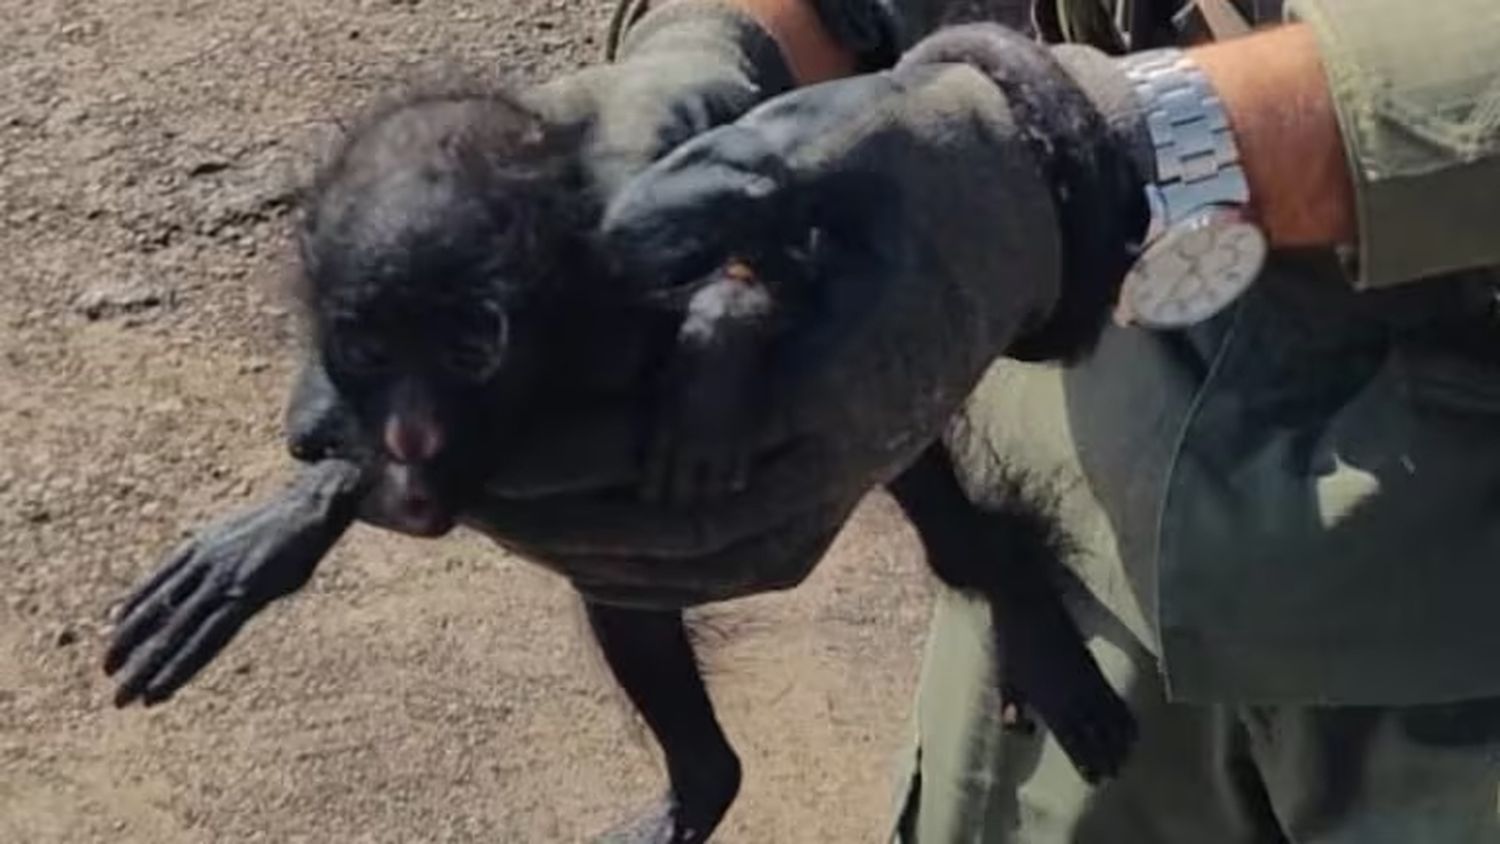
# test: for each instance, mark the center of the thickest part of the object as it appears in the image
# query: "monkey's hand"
(191, 607)
(319, 425)
(714, 394)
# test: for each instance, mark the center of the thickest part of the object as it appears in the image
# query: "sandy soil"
(418, 691)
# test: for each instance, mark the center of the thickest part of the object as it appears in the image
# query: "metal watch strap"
(1197, 162)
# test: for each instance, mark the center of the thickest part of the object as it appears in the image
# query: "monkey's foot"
(1048, 670)
(663, 823)
(688, 816)
(656, 825)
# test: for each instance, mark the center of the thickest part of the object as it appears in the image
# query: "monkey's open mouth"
(423, 517)
(405, 501)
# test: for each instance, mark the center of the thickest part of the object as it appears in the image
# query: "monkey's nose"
(411, 442)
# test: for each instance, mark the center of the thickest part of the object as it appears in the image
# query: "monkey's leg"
(652, 659)
(1044, 662)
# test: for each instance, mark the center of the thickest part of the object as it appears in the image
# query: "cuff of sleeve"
(702, 26)
(1424, 167)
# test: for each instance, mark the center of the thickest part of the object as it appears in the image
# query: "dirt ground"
(417, 691)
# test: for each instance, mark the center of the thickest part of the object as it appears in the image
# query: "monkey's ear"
(303, 234)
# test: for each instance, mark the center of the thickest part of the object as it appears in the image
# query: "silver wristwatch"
(1202, 249)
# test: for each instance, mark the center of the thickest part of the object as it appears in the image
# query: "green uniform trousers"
(1201, 774)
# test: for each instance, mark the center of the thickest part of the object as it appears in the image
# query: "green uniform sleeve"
(1417, 88)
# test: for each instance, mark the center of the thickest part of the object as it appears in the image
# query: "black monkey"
(456, 298)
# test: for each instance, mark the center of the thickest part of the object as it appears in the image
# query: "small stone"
(208, 167)
(66, 637)
(81, 30)
(119, 298)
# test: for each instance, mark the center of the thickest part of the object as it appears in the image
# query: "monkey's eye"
(361, 356)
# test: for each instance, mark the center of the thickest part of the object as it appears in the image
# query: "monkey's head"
(435, 246)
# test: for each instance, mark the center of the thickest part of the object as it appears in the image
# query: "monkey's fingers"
(167, 642)
(211, 638)
(660, 458)
(1095, 749)
(175, 562)
(147, 616)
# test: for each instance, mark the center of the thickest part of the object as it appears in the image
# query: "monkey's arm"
(194, 604)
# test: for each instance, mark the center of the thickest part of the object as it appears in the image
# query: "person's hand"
(1013, 169)
(976, 201)
(681, 68)
(186, 612)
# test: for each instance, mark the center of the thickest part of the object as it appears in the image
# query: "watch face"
(1194, 271)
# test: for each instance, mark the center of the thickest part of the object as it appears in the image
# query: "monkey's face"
(429, 383)
(429, 244)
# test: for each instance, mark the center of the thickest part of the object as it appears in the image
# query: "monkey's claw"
(655, 826)
(665, 822)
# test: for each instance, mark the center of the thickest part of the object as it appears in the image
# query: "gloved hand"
(678, 69)
(979, 200)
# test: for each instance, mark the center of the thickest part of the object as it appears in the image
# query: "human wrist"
(1274, 91)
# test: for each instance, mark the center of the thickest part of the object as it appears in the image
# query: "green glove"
(983, 161)
(979, 200)
(678, 70)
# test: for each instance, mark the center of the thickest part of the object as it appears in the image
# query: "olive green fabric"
(1303, 490)
(1221, 774)
(1417, 86)
(1285, 518)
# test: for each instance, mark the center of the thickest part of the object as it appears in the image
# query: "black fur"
(448, 208)
(1004, 556)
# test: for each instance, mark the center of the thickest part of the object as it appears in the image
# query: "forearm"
(1273, 86)
(1274, 89)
